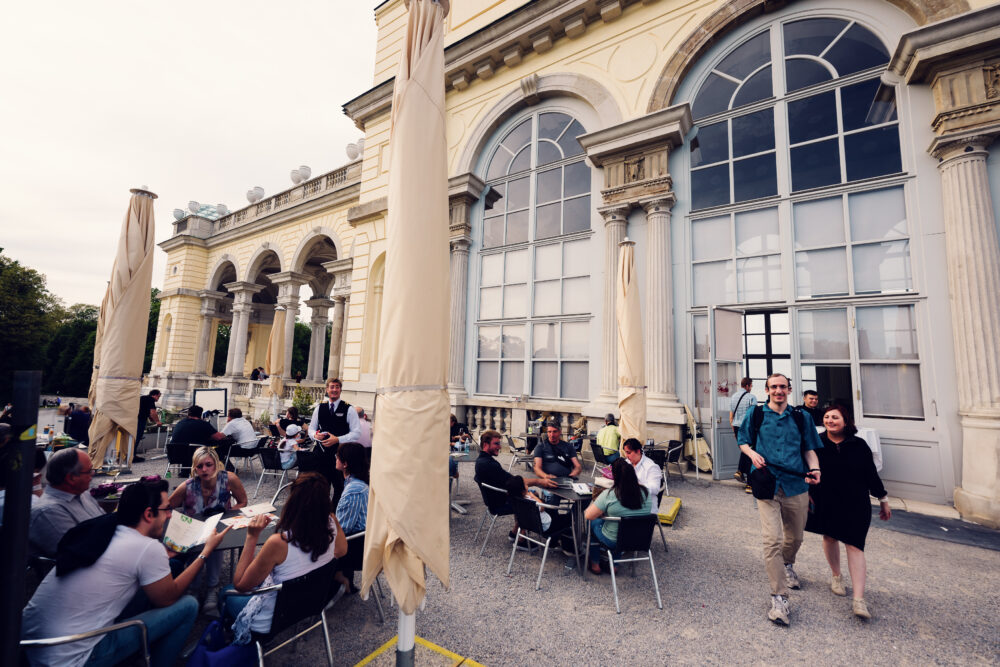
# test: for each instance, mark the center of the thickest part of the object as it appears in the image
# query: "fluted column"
(336, 336)
(659, 301)
(209, 303)
(459, 287)
(320, 307)
(615, 218)
(288, 283)
(973, 254)
(243, 297)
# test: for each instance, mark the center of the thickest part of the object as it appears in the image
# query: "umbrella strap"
(412, 387)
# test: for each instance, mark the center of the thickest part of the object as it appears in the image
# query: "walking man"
(739, 405)
(784, 438)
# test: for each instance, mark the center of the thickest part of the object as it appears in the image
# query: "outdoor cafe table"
(579, 502)
(462, 457)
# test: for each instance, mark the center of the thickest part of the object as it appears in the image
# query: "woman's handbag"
(214, 650)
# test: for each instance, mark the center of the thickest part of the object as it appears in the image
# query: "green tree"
(70, 353)
(300, 349)
(154, 321)
(221, 350)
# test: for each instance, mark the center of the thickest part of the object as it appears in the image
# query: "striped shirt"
(352, 510)
(745, 405)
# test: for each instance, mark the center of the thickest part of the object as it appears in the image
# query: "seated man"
(609, 437)
(105, 591)
(193, 430)
(649, 474)
(240, 429)
(79, 424)
(554, 457)
(489, 471)
(65, 502)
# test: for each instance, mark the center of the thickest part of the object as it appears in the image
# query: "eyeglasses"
(209, 464)
(779, 386)
(168, 508)
(86, 472)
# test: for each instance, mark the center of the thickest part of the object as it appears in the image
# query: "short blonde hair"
(203, 452)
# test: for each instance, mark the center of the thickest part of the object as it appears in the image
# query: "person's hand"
(884, 512)
(757, 460)
(812, 477)
(547, 483)
(214, 541)
(257, 526)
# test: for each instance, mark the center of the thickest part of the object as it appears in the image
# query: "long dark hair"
(630, 493)
(305, 518)
(849, 427)
(354, 458)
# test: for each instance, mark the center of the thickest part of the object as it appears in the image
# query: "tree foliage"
(70, 354)
(154, 321)
(221, 349)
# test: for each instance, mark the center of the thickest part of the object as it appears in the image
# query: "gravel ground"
(933, 602)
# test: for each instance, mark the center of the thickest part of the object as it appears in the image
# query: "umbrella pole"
(406, 639)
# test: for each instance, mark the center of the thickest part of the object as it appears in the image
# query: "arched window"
(533, 307)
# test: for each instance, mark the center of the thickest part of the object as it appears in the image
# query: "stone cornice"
(668, 126)
(370, 209)
(468, 187)
(942, 45)
(180, 291)
(211, 294)
(243, 286)
(181, 240)
(290, 277)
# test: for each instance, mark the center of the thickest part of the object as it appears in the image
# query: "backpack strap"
(757, 418)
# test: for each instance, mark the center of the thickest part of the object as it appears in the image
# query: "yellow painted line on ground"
(443, 651)
(458, 660)
(379, 651)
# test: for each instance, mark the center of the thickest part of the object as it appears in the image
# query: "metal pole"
(16, 474)
(406, 639)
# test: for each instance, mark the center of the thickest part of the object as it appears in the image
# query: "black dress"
(839, 504)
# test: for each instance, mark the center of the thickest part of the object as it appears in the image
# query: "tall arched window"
(532, 317)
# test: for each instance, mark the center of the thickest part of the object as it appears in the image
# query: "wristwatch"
(202, 557)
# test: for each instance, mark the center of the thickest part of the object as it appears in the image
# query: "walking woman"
(842, 508)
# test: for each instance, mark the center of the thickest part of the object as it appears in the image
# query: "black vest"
(334, 422)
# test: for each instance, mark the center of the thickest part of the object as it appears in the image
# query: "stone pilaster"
(336, 336)
(459, 287)
(288, 283)
(210, 300)
(615, 219)
(659, 303)
(242, 305)
(317, 343)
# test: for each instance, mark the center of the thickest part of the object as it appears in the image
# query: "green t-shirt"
(608, 503)
(608, 439)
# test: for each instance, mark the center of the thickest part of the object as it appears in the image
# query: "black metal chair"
(270, 464)
(518, 454)
(635, 533)
(495, 500)
(178, 456)
(599, 456)
(530, 521)
(244, 450)
(69, 639)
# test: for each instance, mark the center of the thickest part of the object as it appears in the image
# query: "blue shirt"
(779, 442)
(740, 404)
(352, 510)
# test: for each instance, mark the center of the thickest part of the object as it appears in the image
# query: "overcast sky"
(196, 100)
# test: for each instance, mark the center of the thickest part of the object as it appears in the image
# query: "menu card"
(184, 532)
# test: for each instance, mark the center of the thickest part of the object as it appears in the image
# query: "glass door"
(726, 367)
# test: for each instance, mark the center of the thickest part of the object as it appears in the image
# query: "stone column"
(288, 283)
(340, 291)
(243, 298)
(336, 336)
(320, 307)
(615, 218)
(459, 288)
(659, 302)
(209, 304)
(973, 253)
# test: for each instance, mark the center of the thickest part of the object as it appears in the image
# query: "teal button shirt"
(779, 442)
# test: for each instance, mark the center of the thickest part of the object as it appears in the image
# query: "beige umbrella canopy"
(631, 361)
(408, 499)
(120, 345)
(274, 364)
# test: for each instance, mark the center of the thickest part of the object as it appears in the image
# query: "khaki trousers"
(782, 521)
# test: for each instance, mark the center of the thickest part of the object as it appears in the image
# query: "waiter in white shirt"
(649, 474)
(332, 423)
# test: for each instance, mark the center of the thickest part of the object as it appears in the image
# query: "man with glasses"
(65, 501)
(782, 436)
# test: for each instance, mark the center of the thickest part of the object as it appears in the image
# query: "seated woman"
(308, 537)
(553, 522)
(210, 491)
(352, 510)
(626, 498)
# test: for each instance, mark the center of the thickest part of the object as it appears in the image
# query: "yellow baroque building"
(810, 185)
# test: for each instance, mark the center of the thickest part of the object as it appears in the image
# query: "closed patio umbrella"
(407, 529)
(631, 360)
(274, 364)
(120, 345)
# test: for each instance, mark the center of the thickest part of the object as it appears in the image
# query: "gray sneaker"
(778, 613)
(791, 579)
(211, 606)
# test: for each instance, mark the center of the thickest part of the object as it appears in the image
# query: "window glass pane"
(873, 153)
(515, 301)
(549, 186)
(489, 303)
(498, 164)
(882, 267)
(702, 386)
(548, 152)
(546, 341)
(878, 214)
(489, 342)
(513, 342)
(855, 103)
(812, 117)
(547, 262)
(710, 238)
(858, 49)
(753, 323)
(887, 332)
(783, 366)
(711, 144)
(891, 390)
(576, 214)
(501, 203)
(568, 142)
(517, 227)
(811, 36)
(757, 231)
(756, 344)
(492, 270)
(487, 373)
(713, 96)
(714, 283)
(755, 177)
(747, 57)
(547, 221)
(544, 378)
(512, 378)
(551, 124)
(576, 179)
(819, 223)
(492, 232)
(779, 322)
(516, 270)
(781, 344)
(710, 187)
(574, 380)
(823, 334)
(547, 298)
(517, 194)
(700, 323)
(753, 133)
(801, 73)
(756, 88)
(575, 340)
(757, 368)
(821, 272)
(575, 295)
(759, 278)
(815, 165)
(521, 161)
(575, 258)
(518, 137)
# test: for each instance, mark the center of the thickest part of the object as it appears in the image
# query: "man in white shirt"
(649, 474)
(365, 439)
(65, 502)
(241, 430)
(96, 595)
(332, 423)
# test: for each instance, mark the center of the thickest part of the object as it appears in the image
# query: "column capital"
(464, 191)
(460, 244)
(212, 295)
(659, 204)
(321, 302)
(241, 287)
(616, 213)
(289, 278)
(950, 147)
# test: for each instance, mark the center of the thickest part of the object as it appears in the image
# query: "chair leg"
(481, 524)
(257, 490)
(488, 533)
(656, 585)
(378, 603)
(260, 654)
(614, 584)
(662, 537)
(517, 538)
(326, 638)
(541, 568)
(586, 553)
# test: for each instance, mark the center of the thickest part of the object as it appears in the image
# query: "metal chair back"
(69, 639)
(635, 533)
